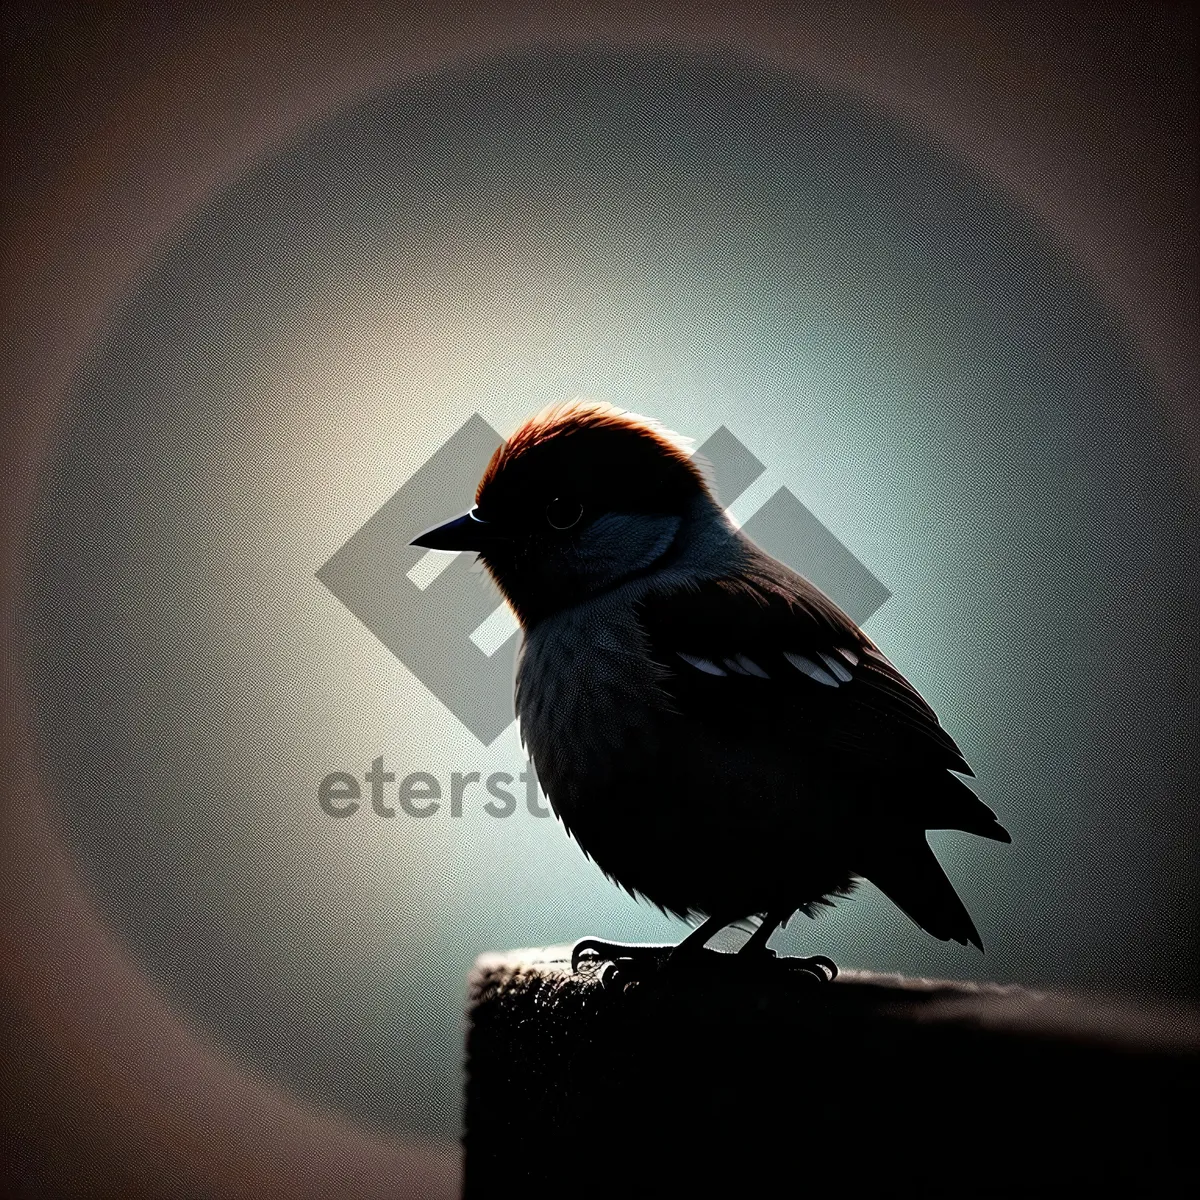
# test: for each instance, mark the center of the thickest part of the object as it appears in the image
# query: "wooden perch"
(721, 1081)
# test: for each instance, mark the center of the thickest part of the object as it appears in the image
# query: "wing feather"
(766, 650)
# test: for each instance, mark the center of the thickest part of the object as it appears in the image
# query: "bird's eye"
(562, 512)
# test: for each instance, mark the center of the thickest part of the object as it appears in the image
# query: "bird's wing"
(765, 655)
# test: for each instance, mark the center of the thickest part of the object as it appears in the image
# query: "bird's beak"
(468, 532)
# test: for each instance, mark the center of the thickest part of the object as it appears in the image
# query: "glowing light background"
(693, 237)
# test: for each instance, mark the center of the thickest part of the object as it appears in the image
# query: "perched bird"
(711, 728)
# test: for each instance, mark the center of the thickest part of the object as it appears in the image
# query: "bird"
(710, 727)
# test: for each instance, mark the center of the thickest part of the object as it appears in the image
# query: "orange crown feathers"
(569, 418)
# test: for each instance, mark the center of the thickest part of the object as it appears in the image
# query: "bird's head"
(582, 496)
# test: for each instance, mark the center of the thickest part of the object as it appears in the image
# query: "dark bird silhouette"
(712, 729)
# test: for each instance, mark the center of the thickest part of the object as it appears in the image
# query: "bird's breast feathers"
(584, 673)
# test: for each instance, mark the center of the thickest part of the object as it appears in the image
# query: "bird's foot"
(818, 967)
(619, 963)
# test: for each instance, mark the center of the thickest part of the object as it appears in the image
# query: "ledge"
(719, 1081)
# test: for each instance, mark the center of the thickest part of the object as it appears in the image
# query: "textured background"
(975, 384)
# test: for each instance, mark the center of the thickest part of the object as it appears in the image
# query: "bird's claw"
(614, 976)
(619, 962)
(819, 968)
(822, 969)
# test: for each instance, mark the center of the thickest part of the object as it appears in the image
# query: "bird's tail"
(907, 872)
